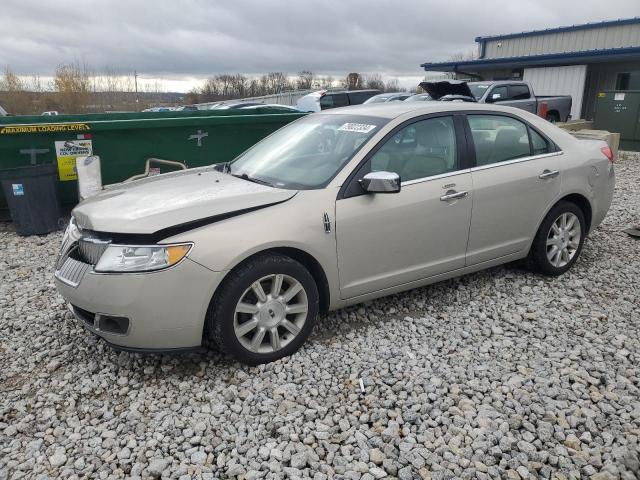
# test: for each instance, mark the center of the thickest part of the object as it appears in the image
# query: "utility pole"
(135, 81)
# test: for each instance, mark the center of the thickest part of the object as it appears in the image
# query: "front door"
(515, 180)
(385, 240)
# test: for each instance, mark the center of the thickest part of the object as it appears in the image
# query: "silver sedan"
(334, 209)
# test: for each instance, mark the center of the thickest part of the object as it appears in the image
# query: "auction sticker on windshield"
(356, 127)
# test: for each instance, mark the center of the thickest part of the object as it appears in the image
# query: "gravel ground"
(501, 374)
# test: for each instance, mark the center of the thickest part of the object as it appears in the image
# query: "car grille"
(72, 271)
(91, 249)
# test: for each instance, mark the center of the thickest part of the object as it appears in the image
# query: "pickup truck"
(511, 93)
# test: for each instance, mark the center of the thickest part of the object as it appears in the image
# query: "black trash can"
(32, 196)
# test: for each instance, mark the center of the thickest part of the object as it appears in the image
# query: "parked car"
(419, 97)
(186, 108)
(324, 100)
(50, 113)
(272, 106)
(507, 93)
(334, 209)
(388, 97)
(235, 104)
(159, 109)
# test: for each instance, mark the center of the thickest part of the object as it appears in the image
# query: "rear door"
(516, 178)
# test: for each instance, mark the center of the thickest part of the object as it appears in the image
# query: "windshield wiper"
(244, 176)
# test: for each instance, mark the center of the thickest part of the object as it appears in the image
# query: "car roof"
(392, 110)
(368, 90)
(496, 82)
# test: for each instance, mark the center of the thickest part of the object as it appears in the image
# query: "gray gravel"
(501, 374)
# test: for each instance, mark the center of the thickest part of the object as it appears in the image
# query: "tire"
(541, 256)
(553, 117)
(236, 327)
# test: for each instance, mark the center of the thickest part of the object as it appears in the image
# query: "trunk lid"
(440, 89)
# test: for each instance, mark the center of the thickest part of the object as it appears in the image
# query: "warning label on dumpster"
(44, 128)
(66, 152)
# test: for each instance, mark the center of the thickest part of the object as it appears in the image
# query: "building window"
(628, 81)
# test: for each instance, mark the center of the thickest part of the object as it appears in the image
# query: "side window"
(326, 101)
(419, 150)
(498, 138)
(340, 100)
(519, 92)
(356, 98)
(538, 143)
(498, 94)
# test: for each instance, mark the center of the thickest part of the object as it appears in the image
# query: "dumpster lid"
(28, 171)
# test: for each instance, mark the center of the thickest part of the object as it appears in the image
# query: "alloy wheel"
(270, 313)
(563, 239)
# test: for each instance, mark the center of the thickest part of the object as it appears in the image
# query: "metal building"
(579, 60)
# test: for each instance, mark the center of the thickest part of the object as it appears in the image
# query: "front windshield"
(307, 153)
(478, 89)
(378, 99)
(421, 97)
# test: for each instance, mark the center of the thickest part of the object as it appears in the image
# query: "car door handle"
(453, 196)
(549, 174)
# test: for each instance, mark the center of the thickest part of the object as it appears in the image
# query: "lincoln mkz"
(334, 209)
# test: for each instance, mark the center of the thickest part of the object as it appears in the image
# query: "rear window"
(519, 92)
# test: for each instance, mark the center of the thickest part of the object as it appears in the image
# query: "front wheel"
(264, 310)
(558, 243)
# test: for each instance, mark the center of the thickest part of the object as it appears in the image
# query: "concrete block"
(612, 139)
(579, 124)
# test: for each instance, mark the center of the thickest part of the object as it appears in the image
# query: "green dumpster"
(124, 141)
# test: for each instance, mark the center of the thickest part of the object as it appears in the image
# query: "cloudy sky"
(184, 41)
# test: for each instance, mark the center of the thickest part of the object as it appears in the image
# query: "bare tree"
(464, 56)
(72, 83)
(305, 80)
(392, 85)
(15, 97)
(374, 81)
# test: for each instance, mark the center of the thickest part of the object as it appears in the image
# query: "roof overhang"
(546, 60)
(569, 28)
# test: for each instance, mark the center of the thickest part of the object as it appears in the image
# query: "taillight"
(608, 153)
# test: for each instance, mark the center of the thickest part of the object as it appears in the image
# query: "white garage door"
(559, 81)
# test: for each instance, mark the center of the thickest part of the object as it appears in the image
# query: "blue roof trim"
(569, 28)
(566, 58)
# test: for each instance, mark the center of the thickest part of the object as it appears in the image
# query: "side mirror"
(381, 182)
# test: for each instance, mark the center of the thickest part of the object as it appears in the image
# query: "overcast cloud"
(196, 38)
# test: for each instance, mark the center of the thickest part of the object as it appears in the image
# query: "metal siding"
(559, 81)
(568, 41)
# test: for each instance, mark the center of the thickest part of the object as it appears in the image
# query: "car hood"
(443, 88)
(178, 199)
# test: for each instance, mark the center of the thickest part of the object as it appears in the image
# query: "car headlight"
(141, 258)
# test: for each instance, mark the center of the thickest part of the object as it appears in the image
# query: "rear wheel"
(558, 243)
(265, 309)
(553, 117)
